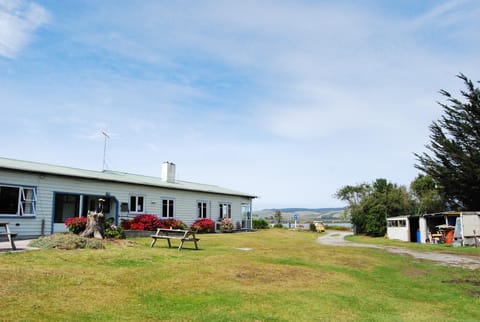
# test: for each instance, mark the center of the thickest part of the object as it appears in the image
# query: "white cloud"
(18, 21)
(447, 13)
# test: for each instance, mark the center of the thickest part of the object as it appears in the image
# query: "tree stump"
(95, 225)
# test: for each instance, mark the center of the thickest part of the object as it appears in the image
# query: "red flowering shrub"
(76, 224)
(203, 226)
(152, 222)
(172, 223)
(142, 222)
(126, 224)
(138, 226)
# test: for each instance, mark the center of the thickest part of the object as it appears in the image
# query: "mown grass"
(286, 276)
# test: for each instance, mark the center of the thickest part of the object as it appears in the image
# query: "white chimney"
(168, 172)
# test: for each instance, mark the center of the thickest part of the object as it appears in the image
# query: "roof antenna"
(105, 150)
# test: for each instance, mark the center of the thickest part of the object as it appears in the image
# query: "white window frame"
(170, 203)
(136, 210)
(26, 203)
(202, 209)
(224, 207)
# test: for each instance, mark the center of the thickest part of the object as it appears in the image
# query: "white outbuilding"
(461, 227)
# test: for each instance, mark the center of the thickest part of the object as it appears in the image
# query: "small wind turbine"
(105, 150)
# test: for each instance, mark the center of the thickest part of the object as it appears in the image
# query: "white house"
(36, 198)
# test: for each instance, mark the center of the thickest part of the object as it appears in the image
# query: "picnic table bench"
(180, 234)
(8, 234)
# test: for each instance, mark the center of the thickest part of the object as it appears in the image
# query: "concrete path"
(337, 238)
(21, 245)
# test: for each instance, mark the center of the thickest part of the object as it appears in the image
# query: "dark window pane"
(164, 208)
(133, 204)
(170, 209)
(9, 200)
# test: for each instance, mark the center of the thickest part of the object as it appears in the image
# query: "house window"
(202, 209)
(168, 208)
(19, 201)
(137, 203)
(66, 206)
(225, 210)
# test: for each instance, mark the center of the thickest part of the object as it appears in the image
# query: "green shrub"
(313, 227)
(278, 226)
(260, 224)
(342, 228)
(66, 241)
(112, 231)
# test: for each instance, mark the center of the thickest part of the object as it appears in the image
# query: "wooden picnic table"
(180, 234)
(8, 234)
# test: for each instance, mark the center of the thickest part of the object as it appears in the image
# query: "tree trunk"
(95, 225)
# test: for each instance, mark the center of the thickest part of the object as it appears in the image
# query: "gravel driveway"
(337, 238)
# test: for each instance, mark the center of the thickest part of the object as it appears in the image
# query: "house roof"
(115, 176)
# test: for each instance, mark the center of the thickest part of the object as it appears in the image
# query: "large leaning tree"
(453, 157)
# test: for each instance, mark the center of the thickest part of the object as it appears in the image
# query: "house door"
(246, 216)
(66, 206)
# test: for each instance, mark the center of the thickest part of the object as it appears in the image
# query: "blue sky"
(288, 100)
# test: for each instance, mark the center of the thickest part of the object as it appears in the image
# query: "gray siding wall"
(47, 185)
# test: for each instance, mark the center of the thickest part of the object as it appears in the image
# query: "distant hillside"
(304, 214)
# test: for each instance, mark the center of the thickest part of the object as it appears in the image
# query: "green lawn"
(286, 276)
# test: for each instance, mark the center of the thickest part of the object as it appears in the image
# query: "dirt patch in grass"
(353, 261)
(474, 293)
(121, 242)
(273, 276)
(415, 272)
(467, 283)
(464, 281)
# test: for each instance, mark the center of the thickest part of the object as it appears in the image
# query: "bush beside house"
(204, 225)
(260, 224)
(76, 224)
(151, 223)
